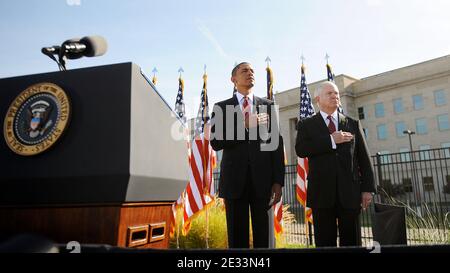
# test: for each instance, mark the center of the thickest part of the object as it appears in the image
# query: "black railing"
(418, 180)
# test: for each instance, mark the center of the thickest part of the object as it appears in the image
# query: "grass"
(217, 230)
(196, 238)
(425, 224)
(426, 227)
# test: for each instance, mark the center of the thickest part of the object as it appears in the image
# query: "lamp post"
(409, 133)
(415, 180)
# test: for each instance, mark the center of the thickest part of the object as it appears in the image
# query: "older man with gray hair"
(340, 175)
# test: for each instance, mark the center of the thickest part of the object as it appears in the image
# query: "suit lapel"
(256, 102)
(322, 126)
(343, 122)
(235, 100)
(238, 114)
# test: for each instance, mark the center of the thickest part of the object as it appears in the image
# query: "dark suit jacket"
(241, 155)
(344, 172)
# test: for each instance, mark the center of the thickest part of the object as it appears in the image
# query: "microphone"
(72, 49)
(50, 50)
(89, 46)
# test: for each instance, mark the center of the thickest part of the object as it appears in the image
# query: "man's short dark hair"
(235, 69)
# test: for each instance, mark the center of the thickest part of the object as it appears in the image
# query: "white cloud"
(209, 35)
(73, 2)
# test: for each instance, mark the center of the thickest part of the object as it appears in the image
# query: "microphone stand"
(61, 62)
(62, 59)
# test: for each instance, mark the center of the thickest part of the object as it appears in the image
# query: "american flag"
(330, 77)
(200, 189)
(173, 216)
(269, 84)
(179, 103)
(180, 110)
(306, 110)
(278, 217)
(278, 207)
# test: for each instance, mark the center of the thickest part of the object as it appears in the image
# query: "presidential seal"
(36, 119)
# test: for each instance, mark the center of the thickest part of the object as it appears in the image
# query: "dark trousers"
(237, 214)
(328, 221)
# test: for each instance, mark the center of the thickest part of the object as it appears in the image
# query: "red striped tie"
(331, 126)
(246, 109)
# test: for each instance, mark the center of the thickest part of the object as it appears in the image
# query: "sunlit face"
(329, 98)
(244, 77)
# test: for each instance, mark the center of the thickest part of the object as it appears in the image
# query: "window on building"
(407, 184)
(382, 132)
(439, 98)
(428, 184)
(400, 127)
(385, 157)
(425, 154)
(418, 102)
(446, 147)
(443, 123)
(405, 155)
(398, 106)
(379, 110)
(361, 113)
(421, 126)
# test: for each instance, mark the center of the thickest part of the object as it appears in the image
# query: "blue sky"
(362, 37)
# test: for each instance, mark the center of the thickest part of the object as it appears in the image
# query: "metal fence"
(418, 180)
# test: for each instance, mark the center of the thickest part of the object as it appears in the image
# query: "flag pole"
(309, 234)
(178, 233)
(307, 224)
(180, 70)
(188, 146)
(207, 227)
(178, 223)
(205, 171)
(154, 75)
(270, 211)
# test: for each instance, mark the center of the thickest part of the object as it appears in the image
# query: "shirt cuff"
(333, 144)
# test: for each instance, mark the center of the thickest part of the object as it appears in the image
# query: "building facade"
(415, 98)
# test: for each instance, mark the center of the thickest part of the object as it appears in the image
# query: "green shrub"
(217, 232)
(196, 238)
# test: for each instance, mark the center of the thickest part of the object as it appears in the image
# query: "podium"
(109, 176)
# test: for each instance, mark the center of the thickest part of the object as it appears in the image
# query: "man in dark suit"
(340, 176)
(245, 127)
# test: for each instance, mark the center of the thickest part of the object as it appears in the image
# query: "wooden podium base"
(136, 225)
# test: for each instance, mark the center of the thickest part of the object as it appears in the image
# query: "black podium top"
(117, 146)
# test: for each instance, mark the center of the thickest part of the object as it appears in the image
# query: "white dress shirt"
(240, 99)
(334, 117)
